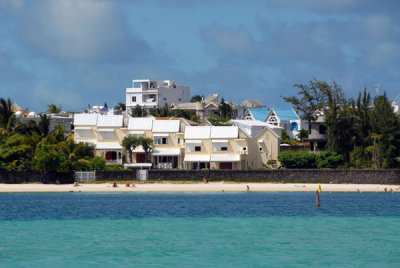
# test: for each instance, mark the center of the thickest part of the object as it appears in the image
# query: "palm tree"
(147, 146)
(44, 125)
(53, 109)
(120, 106)
(130, 143)
(7, 116)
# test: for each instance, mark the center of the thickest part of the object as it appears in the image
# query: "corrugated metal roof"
(110, 120)
(139, 123)
(286, 114)
(197, 132)
(85, 119)
(197, 158)
(225, 158)
(166, 151)
(166, 126)
(224, 132)
(259, 114)
(108, 146)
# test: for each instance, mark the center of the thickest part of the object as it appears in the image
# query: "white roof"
(166, 151)
(253, 128)
(223, 132)
(197, 132)
(166, 126)
(110, 120)
(197, 158)
(139, 123)
(225, 158)
(108, 146)
(85, 119)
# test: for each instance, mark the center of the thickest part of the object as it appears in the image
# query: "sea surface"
(199, 230)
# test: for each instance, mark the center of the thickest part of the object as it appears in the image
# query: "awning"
(138, 149)
(193, 141)
(132, 165)
(197, 158)
(108, 146)
(219, 141)
(161, 135)
(136, 132)
(166, 151)
(225, 158)
(83, 128)
(105, 129)
(260, 141)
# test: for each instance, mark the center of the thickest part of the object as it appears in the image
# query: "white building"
(155, 93)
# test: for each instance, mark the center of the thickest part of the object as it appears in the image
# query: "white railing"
(83, 176)
(164, 166)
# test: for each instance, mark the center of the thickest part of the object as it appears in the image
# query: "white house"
(150, 94)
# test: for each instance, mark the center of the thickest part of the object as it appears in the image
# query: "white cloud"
(237, 41)
(79, 30)
(12, 4)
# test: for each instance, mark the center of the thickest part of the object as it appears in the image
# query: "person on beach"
(247, 189)
(76, 184)
(205, 181)
(115, 184)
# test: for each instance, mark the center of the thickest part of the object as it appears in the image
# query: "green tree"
(44, 125)
(53, 109)
(285, 137)
(147, 145)
(385, 123)
(105, 105)
(303, 134)
(219, 121)
(298, 160)
(314, 97)
(329, 159)
(130, 143)
(47, 159)
(120, 106)
(7, 116)
(224, 109)
(188, 114)
(196, 98)
(98, 164)
(138, 111)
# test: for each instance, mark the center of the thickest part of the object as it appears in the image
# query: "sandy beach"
(198, 187)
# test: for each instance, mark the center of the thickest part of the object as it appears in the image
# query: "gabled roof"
(252, 128)
(85, 119)
(259, 113)
(211, 98)
(211, 132)
(252, 103)
(220, 132)
(110, 120)
(197, 132)
(166, 126)
(140, 123)
(286, 114)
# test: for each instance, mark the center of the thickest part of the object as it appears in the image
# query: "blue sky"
(77, 52)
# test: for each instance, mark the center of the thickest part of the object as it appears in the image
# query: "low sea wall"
(358, 176)
(35, 176)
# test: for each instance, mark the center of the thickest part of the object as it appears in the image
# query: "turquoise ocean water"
(199, 230)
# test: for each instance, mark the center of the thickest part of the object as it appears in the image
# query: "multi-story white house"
(150, 94)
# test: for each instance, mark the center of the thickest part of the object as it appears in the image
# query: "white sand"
(198, 187)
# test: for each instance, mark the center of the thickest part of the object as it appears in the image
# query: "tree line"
(365, 131)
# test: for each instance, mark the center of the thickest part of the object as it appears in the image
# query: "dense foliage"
(327, 159)
(364, 131)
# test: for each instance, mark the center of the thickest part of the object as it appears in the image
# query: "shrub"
(296, 160)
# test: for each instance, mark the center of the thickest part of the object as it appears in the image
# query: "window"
(224, 148)
(309, 129)
(157, 141)
(179, 140)
(266, 136)
(244, 148)
(134, 99)
(164, 98)
(260, 148)
(197, 148)
(322, 129)
(106, 135)
(84, 133)
(164, 140)
(137, 85)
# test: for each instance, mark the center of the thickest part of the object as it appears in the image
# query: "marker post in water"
(317, 198)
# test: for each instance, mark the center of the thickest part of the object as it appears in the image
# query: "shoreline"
(197, 187)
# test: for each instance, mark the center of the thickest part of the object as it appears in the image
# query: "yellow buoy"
(319, 188)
